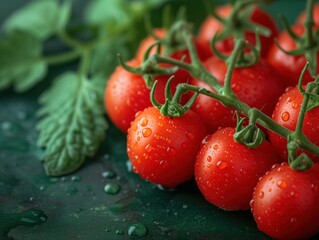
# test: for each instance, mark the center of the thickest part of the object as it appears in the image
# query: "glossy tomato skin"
(289, 67)
(211, 26)
(226, 171)
(285, 203)
(286, 114)
(259, 86)
(161, 149)
(126, 94)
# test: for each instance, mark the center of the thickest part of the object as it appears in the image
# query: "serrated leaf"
(20, 61)
(40, 18)
(72, 124)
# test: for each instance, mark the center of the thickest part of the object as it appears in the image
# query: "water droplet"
(185, 206)
(243, 171)
(119, 232)
(285, 116)
(112, 188)
(270, 190)
(171, 151)
(295, 105)
(221, 165)
(147, 132)
(282, 184)
(292, 220)
(209, 159)
(137, 229)
(143, 122)
(129, 166)
(107, 230)
(108, 174)
(42, 188)
(261, 194)
(236, 88)
(190, 135)
(215, 147)
(75, 178)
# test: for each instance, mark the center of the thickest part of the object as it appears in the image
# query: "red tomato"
(203, 49)
(161, 149)
(211, 26)
(286, 114)
(258, 86)
(302, 17)
(226, 171)
(285, 203)
(289, 67)
(126, 94)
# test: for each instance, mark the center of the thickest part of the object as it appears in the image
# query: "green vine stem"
(226, 97)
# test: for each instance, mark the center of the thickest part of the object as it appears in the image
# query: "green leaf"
(20, 61)
(40, 18)
(111, 12)
(72, 124)
(313, 101)
(104, 59)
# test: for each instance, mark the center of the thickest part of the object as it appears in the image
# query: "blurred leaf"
(40, 18)
(20, 61)
(72, 124)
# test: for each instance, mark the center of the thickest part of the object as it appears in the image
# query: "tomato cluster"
(200, 144)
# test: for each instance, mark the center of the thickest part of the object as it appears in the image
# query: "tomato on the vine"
(286, 114)
(126, 93)
(302, 16)
(285, 203)
(289, 67)
(202, 48)
(211, 26)
(226, 171)
(162, 149)
(259, 86)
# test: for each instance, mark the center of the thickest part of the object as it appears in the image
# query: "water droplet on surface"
(108, 174)
(295, 105)
(112, 188)
(281, 184)
(171, 151)
(146, 132)
(215, 147)
(75, 178)
(292, 220)
(185, 206)
(119, 232)
(261, 194)
(42, 188)
(209, 159)
(243, 171)
(285, 116)
(221, 165)
(138, 230)
(190, 135)
(148, 148)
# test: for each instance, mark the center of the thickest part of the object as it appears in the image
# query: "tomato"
(226, 171)
(211, 26)
(161, 149)
(302, 17)
(289, 67)
(203, 48)
(126, 94)
(286, 114)
(259, 86)
(285, 203)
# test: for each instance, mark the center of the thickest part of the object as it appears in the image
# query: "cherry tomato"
(289, 67)
(226, 171)
(203, 49)
(211, 26)
(258, 86)
(302, 17)
(285, 203)
(286, 114)
(126, 94)
(161, 149)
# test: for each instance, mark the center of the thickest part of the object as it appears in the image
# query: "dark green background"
(81, 209)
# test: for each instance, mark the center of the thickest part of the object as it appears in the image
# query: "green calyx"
(308, 43)
(172, 107)
(251, 136)
(238, 22)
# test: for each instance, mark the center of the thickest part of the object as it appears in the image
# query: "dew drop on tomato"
(148, 148)
(285, 116)
(215, 147)
(295, 105)
(143, 122)
(146, 132)
(221, 165)
(209, 158)
(261, 194)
